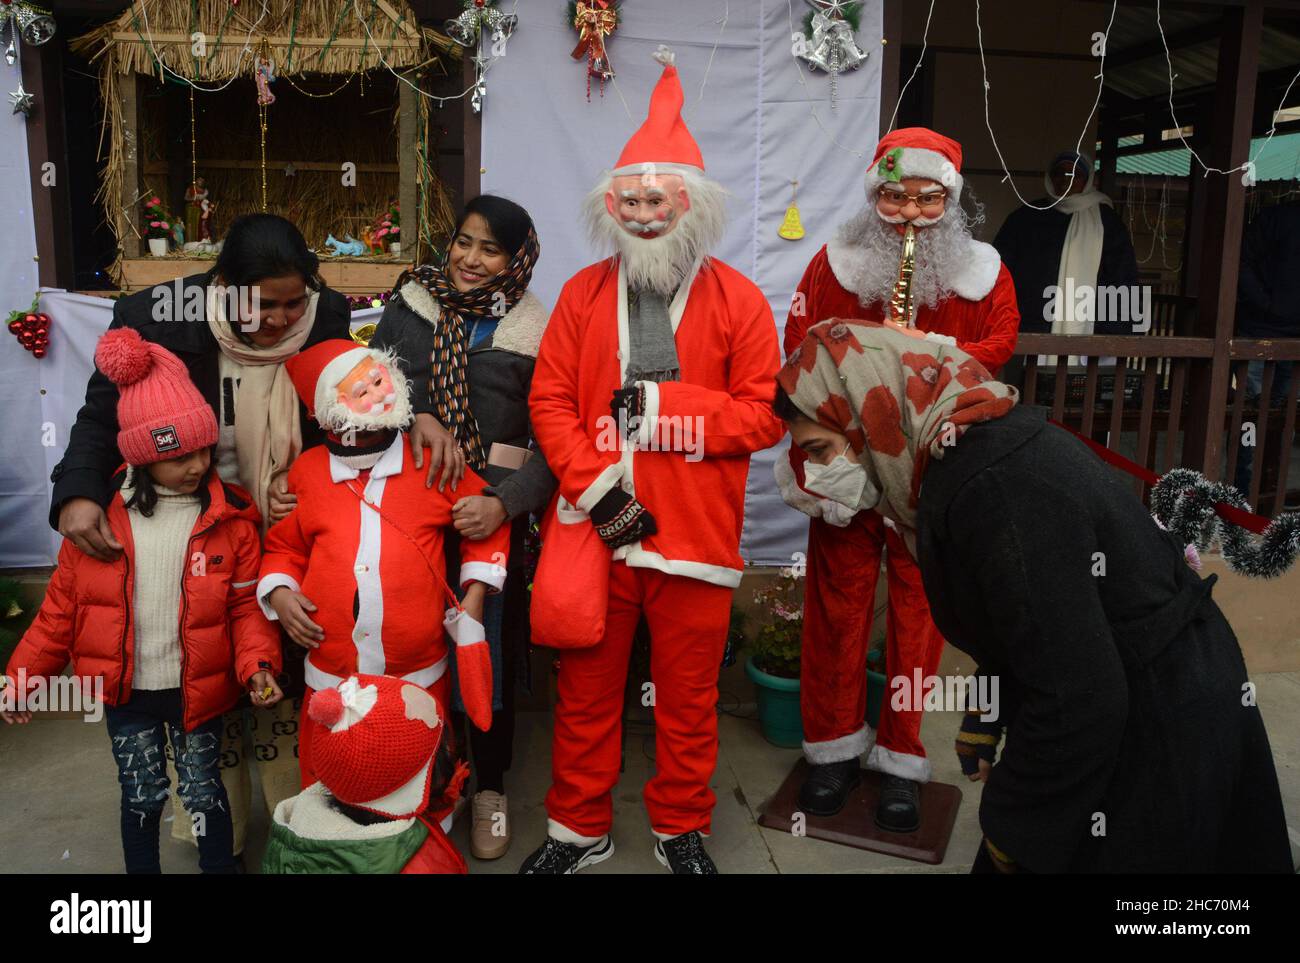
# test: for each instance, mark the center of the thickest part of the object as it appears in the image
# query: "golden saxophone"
(900, 303)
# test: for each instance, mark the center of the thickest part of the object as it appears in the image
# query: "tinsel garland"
(1183, 501)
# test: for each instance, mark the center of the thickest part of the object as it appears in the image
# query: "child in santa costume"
(388, 785)
(963, 296)
(657, 349)
(355, 572)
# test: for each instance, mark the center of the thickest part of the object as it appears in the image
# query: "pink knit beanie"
(160, 413)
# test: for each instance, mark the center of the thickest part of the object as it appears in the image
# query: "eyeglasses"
(897, 199)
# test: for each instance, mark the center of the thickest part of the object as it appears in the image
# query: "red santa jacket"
(380, 606)
(982, 315)
(691, 457)
(86, 615)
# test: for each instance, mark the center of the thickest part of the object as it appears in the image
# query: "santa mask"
(368, 389)
(647, 205)
(893, 199)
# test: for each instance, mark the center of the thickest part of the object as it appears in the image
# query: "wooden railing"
(1148, 392)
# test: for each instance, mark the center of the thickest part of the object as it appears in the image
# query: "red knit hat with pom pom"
(160, 413)
(376, 742)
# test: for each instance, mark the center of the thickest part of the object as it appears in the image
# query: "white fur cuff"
(898, 764)
(841, 749)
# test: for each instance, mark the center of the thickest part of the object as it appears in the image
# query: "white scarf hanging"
(1080, 261)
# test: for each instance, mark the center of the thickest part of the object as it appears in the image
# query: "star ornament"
(22, 101)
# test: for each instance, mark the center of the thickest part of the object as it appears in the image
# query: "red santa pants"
(688, 621)
(307, 726)
(839, 601)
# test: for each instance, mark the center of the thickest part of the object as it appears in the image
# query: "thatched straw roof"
(302, 37)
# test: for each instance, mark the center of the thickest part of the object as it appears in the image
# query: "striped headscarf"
(900, 401)
(449, 384)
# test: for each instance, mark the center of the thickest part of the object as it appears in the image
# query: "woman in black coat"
(469, 328)
(1132, 743)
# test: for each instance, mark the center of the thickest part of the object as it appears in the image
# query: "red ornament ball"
(16, 325)
(39, 351)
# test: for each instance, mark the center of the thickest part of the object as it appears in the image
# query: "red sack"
(571, 588)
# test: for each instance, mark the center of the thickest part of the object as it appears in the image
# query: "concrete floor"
(59, 797)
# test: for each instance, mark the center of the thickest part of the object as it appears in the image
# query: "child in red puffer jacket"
(169, 633)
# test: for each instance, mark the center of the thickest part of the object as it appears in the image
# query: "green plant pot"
(778, 707)
(778, 703)
(876, 682)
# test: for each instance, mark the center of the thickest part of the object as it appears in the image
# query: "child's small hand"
(291, 609)
(9, 706)
(263, 690)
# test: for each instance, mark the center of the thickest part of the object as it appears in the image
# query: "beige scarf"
(268, 436)
(899, 400)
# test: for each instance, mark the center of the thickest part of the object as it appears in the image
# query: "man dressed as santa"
(679, 350)
(960, 293)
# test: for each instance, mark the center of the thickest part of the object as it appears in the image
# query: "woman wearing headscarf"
(466, 332)
(1130, 742)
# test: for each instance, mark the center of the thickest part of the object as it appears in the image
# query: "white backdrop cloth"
(545, 146)
(42, 399)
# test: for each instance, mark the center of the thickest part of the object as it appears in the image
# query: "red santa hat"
(375, 745)
(317, 371)
(662, 143)
(916, 152)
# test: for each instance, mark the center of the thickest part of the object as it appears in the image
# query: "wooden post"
(473, 135)
(47, 161)
(408, 122)
(1224, 199)
(891, 29)
(127, 215)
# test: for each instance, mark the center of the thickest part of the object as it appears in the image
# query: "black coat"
(1030, 243)
(500, 375)
(1122, 692)
(92, 455)
(1268, 291)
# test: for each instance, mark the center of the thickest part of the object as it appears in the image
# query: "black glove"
(977, 740)
(628, 403)
(620, 519)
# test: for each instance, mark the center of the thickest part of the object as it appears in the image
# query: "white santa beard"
(660, 263)
(942, 250)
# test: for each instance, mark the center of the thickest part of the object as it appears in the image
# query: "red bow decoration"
(594, 20)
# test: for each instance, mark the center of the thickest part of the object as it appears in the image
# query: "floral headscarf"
(899, 400)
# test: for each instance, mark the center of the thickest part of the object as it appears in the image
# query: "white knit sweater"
(161, 549)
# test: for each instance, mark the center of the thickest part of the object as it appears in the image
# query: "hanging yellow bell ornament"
(792, 227)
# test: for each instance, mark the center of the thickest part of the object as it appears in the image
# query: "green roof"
(1279, 161)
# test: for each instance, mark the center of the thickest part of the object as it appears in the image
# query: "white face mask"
(842, 481)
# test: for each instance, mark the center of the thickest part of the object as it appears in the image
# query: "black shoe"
(684, 855)
(827, 787)
(555, 858)
(899, 810)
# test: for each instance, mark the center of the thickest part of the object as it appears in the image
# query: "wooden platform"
(855, 824)
(347, 275)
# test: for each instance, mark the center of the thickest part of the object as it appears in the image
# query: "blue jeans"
(136, 729)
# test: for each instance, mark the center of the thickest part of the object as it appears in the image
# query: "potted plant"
(773, 664)
(158, 228)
